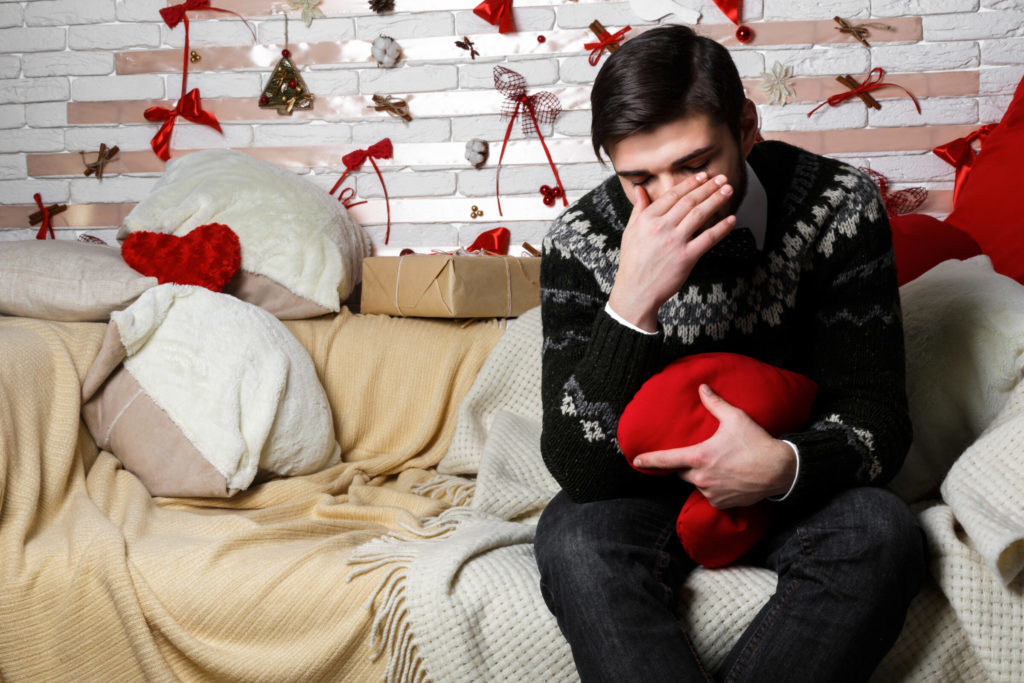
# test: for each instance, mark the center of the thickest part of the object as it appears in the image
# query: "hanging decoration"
(731, 9)
(776, 83)
(865, 96)
(498, 13)
(45, 215)
(543, 107)
(899, 202)
(309, 9)
(604, 40)
(286, 91)
(398, 108)
(477, 151)
(860, 31)
(195, 57)
(189, 106)
(551, 194)
(467, 44)
(386, 51)
(382, 149)
(872, 82)
(960, 154)
(475, 212)
(105, 156)
(382, 6)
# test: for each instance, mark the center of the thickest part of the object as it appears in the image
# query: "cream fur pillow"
(964, 329)
(293, 234)
(235, 395)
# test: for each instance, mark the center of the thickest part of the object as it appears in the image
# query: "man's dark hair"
(663, 75)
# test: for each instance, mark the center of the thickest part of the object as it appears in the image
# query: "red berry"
(541, 39)
(264, 99)
(291, 83)
(286, 52)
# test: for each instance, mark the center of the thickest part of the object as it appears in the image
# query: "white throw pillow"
(964, 328)
(291, 231)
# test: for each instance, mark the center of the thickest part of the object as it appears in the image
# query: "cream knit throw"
(461, 601)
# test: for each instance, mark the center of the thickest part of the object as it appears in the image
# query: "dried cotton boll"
(476, 152)
(386, 51)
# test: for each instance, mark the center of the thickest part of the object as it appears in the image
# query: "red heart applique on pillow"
(208, 256)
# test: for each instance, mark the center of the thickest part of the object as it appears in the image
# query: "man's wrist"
(622, 321)
(796, 473)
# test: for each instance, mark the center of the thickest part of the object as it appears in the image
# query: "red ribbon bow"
(900, 202)
(353, 160)
(497, 12)
(960, 154)
(493, 241)
(872, 82)
(188, 107)
(47, 225)
(604, 40)
(543, 107)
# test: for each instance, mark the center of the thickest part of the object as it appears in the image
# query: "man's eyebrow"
(681, 161)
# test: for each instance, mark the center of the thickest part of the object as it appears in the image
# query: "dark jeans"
(611, 573)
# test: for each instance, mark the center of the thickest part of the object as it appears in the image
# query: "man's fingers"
(677, 193)
(698, 207)
(668, 459)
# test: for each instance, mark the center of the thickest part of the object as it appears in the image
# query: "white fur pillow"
(964, 328)
(291, 231)
(239, 387)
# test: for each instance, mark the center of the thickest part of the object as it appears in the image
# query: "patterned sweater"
(821, 299)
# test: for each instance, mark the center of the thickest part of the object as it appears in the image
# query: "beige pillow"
(65, 280)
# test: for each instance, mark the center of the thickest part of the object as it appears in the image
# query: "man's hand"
(663, 241)
(740, 464)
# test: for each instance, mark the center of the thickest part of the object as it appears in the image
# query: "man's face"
(659, 159)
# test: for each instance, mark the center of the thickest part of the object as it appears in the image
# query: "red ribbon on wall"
(960, 154)
(731, 9)
(47, 224)
(188, 106)
(605, 40)
(543, 107)
(498, 12)
(872, 82)
(382, 149)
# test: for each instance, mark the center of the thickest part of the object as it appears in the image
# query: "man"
(706, 241)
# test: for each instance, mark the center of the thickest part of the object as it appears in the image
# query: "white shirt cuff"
(619, 319)
(796, 475)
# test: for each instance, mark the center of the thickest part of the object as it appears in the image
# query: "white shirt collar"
(753, 209)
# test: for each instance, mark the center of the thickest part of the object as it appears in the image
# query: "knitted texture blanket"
(460, 600)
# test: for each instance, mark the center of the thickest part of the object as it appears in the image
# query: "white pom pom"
(476, 152)
(386, 51)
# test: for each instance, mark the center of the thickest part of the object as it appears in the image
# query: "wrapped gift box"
(450, 285)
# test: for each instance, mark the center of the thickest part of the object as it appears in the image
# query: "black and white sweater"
(821, 299)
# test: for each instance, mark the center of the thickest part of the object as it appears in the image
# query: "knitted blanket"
(462, 602)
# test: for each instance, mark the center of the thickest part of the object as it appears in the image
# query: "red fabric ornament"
(960, 154)
(353, 160)
(207, 256)
(47, 222)
(731, 9)
(497, 12)
(604, 41)
(494, 241)
(543, 107)
(872, 82)
(986, 208)
(900, 202)
(921, 242)
(667, 413)
(188, 106)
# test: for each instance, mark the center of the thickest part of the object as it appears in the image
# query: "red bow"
(353, 160)
(493, 241)
(188, 107)
(46, 226)
(543, 107)
(175, 14)
(604, 40)
(899, 202)
(873, 82)
(498, 12)
(731, 9)
(960, 154)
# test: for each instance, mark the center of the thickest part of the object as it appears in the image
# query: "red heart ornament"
(208, 256)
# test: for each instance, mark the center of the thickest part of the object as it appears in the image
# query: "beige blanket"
(100, 582)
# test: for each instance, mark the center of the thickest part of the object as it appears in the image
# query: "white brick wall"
(56, 52)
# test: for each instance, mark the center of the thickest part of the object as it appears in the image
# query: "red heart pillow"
(920, 242)
(986, 206)
(667, 413)
(209, 256)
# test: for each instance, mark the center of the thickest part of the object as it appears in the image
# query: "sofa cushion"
(920, 242)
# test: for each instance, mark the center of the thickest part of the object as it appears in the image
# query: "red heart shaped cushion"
(208, 256)
(667, 413)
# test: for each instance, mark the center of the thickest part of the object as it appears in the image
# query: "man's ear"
(748, 127)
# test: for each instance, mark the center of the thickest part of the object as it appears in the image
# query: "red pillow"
(920, 242)
(986, 207)
(667, 413)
